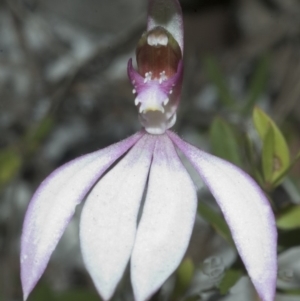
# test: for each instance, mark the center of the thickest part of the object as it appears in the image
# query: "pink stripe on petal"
(109, 217)
(247, 212)
(167, 221)
(53, 205)
(167, 14)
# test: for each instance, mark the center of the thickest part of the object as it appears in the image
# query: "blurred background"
(64, 92)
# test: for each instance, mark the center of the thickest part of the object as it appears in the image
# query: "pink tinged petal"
(53, 205)
(167, 14)
(167, 221)
(247, 212)
(157, 101)
(109, 217)
(166, 86)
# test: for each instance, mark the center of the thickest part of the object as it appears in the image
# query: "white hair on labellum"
(148, 77)
(162, 77)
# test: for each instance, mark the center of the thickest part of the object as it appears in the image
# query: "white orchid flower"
(110, 234)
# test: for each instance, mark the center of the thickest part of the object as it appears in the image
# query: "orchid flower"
(110, 233)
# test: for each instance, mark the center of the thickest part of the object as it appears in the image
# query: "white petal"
(247, 212)
(166, 224)
(168, 14)
(109, 217)
(53, 205)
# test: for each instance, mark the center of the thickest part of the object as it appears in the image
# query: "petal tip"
(141, 295)
(25, 296)
(26, 291)
(266, 289)
(28, 283)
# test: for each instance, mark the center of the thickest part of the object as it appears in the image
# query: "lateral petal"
(53, 205)
(247, 212)
(167, 14)
(109, 217)
(166, 224)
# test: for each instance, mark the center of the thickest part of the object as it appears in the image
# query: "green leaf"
(224, 141)
(10, 162)
(78, 295)
(38, 133)
(42, 292)
(258, 82)
(230, 278)
(43, 129)
(185, 272)
(287, 170)
(289, 239)
(290, 219)
(192, 298)
(292, 292)
(268, 154)
(184, 275)
(216, 76)
(251, 159)
(280, 152)
(216, 221)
